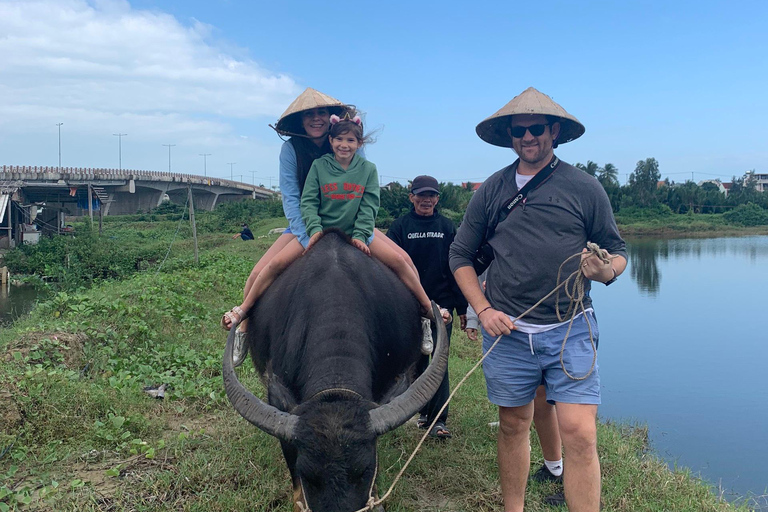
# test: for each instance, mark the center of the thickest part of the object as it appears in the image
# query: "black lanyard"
(539, 178)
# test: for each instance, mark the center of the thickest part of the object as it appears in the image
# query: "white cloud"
(103, 67)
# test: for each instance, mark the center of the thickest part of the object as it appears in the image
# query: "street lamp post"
(253, 177)
(120, 149)
(231, 176)
(59, 125)
(169, 146)
(205, 163)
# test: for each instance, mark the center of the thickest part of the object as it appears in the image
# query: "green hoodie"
(335, 198)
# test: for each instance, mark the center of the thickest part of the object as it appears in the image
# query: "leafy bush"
(73, 261)
(635, 213)
(228, 216)
(748, 214)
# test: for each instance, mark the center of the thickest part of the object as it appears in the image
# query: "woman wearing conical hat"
(306, 123)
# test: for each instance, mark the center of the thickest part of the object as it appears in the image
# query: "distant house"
(760, 180)
(475, 186)
(720, 187)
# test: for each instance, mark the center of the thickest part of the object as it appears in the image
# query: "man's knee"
(579, 436)
(515, 421)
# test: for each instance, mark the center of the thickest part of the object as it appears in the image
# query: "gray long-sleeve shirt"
(556, 221)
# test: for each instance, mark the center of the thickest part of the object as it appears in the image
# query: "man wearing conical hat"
(530, 230)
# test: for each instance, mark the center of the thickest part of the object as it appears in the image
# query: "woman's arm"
(289, 188)
(310, 203)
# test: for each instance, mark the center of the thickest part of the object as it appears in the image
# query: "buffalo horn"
(270, 419)
(403, 407)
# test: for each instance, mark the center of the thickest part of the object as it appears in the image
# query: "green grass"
(77, 433)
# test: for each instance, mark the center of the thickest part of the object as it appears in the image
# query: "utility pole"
(231, 176)
(169, 146)
(205, 163)
(253, 177)
(59, 125)
(192, 218)
(120, 148)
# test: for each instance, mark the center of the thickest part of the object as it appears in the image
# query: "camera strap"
(539, 178)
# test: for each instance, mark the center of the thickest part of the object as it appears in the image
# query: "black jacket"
(427, 240)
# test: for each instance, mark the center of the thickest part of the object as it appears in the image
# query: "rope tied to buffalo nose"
(574, 290)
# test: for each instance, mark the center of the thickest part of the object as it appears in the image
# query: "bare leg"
(582, 466)
(545, 421)
(392, 245)
(269, 273)
(382, 252)
(514, 454)
(276, 247)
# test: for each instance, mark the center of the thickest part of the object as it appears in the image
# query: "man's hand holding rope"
(598, 264)
(495, 322)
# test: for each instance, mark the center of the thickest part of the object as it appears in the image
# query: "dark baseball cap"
(424, 184)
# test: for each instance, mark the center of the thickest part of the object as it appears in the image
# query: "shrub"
(748, 214)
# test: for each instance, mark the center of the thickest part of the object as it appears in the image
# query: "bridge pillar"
(126, 203)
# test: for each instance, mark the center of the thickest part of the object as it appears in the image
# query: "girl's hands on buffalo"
(495, 322)
(361, 245)
(312, 240)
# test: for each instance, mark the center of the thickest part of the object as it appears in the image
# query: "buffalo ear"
(280, 396)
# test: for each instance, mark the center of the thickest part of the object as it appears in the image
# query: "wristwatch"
(613, 279)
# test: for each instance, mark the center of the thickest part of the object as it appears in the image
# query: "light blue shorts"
(521, 362)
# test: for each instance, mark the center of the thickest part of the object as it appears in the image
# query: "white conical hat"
(493, 130)
(290, 122)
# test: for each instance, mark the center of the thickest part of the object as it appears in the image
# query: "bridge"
(65, 190)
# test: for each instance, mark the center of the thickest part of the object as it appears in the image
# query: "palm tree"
(609, 175)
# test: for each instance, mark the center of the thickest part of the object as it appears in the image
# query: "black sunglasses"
(518, 132)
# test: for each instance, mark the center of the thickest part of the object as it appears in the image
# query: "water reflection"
(645, 254)
(16, 301)
(644, 268)
(686, 358)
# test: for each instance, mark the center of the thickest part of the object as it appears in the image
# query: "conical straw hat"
(290, 122)
(493, 130)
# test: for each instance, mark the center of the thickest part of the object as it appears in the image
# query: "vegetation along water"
(79, 432)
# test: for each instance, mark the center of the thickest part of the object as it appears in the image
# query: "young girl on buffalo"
(342, 191)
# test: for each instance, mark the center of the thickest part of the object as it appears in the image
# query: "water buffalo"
(335, 339)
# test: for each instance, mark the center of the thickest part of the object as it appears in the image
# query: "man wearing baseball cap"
(426, 236)
(532, 229)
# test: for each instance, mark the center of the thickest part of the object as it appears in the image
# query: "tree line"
(644, 192)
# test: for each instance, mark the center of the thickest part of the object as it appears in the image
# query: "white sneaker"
(240, 350)
(427, 343)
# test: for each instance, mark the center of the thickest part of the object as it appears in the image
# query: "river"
(16, 301)
(683, 349)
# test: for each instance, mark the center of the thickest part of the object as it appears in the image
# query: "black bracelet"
(483, 311)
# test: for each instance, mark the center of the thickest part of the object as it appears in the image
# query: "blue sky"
(683, 82)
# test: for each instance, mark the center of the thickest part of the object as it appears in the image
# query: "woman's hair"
(306, 153)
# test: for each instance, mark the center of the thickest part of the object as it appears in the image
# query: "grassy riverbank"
(77, 432)
(651, 223)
